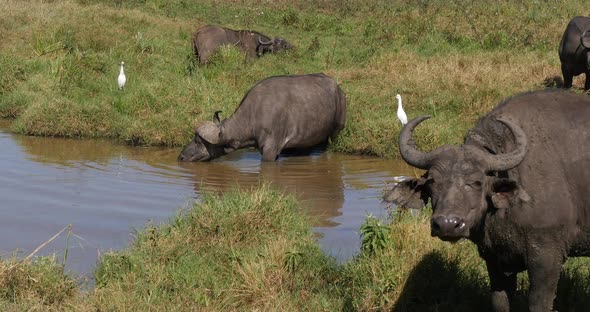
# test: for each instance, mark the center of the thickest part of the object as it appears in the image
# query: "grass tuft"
(36, 286)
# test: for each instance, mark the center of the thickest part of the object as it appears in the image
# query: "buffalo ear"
(409, 194)
(586, 39)
(505, 193)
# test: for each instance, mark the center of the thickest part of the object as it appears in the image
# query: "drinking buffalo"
(282, 112)
(517, 187)
(207, 39)
(574, 51)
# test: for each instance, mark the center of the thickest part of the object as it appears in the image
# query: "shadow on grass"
(440, 284)
(573, 290)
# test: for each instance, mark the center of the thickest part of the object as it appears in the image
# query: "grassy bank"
(254, 250)
(247, 250)
(451, 59)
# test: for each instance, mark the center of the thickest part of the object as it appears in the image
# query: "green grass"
(454, 60)
(253, 249)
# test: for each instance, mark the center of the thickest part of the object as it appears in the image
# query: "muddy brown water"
(107, 191)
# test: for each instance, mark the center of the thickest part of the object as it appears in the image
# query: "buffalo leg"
(567, 77)
(544, 270)
(503, 287)
(587, 83)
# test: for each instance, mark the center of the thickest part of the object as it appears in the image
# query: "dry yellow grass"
(37, 286)
(456, 89)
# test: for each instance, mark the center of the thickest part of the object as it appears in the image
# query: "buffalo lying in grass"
(518, 188)
(281, 112)
(207, 39)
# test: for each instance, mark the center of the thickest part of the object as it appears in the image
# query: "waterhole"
(106, 191)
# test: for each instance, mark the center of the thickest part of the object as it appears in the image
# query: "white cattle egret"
(401, 115)
(122, 79)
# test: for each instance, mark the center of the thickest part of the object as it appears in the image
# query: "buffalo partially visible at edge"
(574, 51)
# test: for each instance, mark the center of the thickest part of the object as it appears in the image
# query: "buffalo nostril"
(456, 223)
(437, 224)
(446, 226)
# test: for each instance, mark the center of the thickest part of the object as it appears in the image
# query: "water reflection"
(316, 180)
(105, 190)
(73, 152)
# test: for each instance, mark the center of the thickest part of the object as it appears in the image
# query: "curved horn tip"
(423, 117)
(519, 135)
(584, 40)
(265, 43)
(510, 160)
(216, 116)
(419, 119)
(501, 118)
(508, 122)
(408, 150)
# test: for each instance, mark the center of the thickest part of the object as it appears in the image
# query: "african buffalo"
(281, 112)
(518, 188)
(207, 39)
(574, 51)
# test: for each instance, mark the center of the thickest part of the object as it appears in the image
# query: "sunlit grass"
(453, 60)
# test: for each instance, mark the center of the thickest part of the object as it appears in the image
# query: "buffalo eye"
(476, 185)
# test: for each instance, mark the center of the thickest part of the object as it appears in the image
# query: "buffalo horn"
(263, 43)
(510, 160)
(586, 39)
(209, 131)
(216, 117)
(407, 147)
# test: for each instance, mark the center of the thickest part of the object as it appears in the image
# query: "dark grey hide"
(282, 112)
(574, 51)
(207, 39)
(518, 188)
